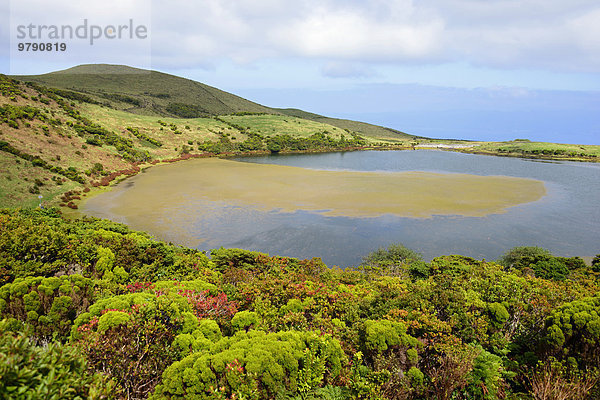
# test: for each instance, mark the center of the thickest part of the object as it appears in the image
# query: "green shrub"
(596, 263)
(381, 335)
(48, 305)
(112, 319)
(395, 260)
(573, 330)
(520, 257)
(54, 371)
(244, 320)
(498, 314)
(134, 344)
(486, 377)
(274, 361)
(415, 376)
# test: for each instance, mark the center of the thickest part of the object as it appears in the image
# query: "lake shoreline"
(450, 146)
(282, 232)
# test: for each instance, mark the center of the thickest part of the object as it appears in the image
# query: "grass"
(18, 176)
(206, 128)
(374, 132)
(155, 91)
(272, 125)
(541, 149)
(189, 129)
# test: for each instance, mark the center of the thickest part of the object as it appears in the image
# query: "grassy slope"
(58, 145)
(156, 90)
(17, 177)
(369, 130)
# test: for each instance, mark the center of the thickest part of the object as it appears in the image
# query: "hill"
(63, 133)
(146, 92)
(155, 93)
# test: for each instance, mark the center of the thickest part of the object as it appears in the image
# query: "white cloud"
(332, 31)
(586, 32)
(551, 34)
(554, 35)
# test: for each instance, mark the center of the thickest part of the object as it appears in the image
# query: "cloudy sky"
(474, 69)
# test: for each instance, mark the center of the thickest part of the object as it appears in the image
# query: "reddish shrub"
(217, 308)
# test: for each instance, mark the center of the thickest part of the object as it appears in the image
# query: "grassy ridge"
(369, 130)
(158, 94)
(154, 90)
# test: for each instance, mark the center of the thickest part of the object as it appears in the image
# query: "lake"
(341, 206)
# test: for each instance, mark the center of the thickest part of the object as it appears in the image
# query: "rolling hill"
(155, 93)
(66, 132)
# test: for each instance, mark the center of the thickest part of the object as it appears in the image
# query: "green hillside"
(95, 124)
(363, 128)
(158, 94)
(146, 92)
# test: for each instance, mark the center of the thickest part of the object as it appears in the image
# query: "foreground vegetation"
(126, 316)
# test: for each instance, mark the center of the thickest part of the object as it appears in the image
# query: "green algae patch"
(154, 194)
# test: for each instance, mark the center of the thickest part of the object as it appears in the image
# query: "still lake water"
(566, 221)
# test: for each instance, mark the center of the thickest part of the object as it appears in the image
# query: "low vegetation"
(131, 317)
(554, 151)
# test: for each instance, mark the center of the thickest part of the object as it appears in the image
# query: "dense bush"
(48, 305)
(396, 260)
(133, 344)
(573, 331)
(55, 371)
(169, 322)
(541, 262)
(40, 242)
(263, 364)
(184, 110)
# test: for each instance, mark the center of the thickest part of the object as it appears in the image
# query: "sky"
(469, 69)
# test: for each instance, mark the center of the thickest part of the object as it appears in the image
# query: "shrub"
(522, 256)
(48, 305)
(394, 260)
(133, 345)
(498, 314)
(54, 371)
(381, 335)
(244, 320)
(573, 330)
(274, 362)
(596, 263)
